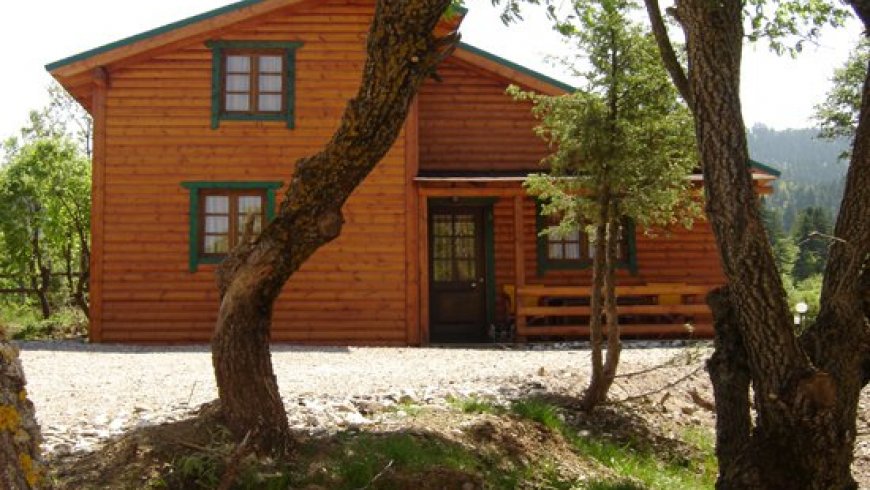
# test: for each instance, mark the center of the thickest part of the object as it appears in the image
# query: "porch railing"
(650, 310)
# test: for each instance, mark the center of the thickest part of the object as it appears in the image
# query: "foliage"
(838, 114)
(64, 323)
(812, 238)
(473, 404)
(45, 219)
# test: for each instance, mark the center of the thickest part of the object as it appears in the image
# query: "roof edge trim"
(764, 168)
(150, 33)
(520, 68)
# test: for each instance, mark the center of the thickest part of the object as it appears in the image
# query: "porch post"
(519, 266)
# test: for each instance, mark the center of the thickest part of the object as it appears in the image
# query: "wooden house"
(198, 124)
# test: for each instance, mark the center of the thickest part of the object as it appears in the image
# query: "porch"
(485, 278)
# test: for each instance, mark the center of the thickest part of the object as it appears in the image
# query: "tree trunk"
(805, 428)
(19, 431)
(614, 345)
(40, 276)
(401, 53)
(593, 394)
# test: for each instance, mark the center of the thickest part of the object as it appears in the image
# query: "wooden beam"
(519, 260)
(423, 236)
(648, 289)
(479, 191)
(98, 192)
(412, 226)
(702, 330)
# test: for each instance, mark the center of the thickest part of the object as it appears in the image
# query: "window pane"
(574, 236)
(238, 102)
(216, 244)
(465, 248)
(270, 83)
(442, 225)
(464, 225)
(250, 204)
(217, 224)
(237, 63)
(270, 103)
(572, 251)
(217, 204)
(555, 251)
(238, 83)
(270, 64)
(442, 248)
(465, 270)
(441, 270)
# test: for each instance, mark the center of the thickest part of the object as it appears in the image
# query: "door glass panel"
(442, 226)
(464, 225)
(442, 270)
(465, 270)
(464, 248)
(442, 248)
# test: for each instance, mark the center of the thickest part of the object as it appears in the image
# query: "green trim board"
(194, 260)
(217, 80)
(514, 66)
(488, 241)
(151, 33)
(544, 264)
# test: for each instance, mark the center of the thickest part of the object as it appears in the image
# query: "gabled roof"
(74, 72)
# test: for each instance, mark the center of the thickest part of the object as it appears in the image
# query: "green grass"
(364, 456)
(473, 404)
(627, 459)
(25, 323)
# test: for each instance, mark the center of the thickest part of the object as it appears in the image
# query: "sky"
(779, 92)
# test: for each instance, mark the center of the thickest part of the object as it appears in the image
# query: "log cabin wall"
(159, 135)
(468, 123)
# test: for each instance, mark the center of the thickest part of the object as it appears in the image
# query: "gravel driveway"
(86, 392)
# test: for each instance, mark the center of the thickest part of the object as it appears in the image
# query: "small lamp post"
(801, 308)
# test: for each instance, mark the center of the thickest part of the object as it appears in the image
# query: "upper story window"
(253, 80)
(254, 83)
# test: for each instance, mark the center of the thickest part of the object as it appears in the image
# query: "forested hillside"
(812, 170)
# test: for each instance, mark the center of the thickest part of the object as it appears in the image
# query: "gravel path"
(84, 393)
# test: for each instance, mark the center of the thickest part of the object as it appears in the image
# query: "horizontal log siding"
(468, 123)
(159, 113)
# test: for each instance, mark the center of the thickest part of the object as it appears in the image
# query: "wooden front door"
(457, 302)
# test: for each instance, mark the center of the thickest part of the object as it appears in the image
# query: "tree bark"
(614, 345)
(19, 432)
(729, 373)
(593, 394)
(402, 52)
(804, 433)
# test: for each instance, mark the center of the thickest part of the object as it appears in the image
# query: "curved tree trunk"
(805, 427)
(19, 431)
(402, 53)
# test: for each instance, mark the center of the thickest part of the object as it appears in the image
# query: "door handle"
(473, 285)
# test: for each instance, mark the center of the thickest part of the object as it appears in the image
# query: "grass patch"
(360, 458)
(628, 460)
(23, 323)
(473, 405)
(541, 412)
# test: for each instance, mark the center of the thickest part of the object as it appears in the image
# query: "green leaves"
(838, 114)
(625, 130)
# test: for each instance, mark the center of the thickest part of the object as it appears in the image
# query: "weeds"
(473, 404)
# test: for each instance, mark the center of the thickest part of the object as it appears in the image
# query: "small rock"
(542, 371)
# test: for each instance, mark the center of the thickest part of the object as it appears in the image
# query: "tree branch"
(666, 49)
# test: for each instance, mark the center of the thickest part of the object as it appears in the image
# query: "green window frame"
(219, 51)
(546, 264)
(196, 190)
